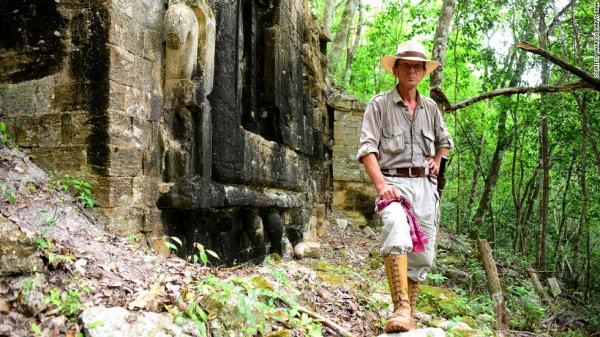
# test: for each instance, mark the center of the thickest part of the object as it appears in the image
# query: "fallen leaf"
(4, 306)
(146, 298)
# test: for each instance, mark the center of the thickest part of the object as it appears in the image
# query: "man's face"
(409, 72)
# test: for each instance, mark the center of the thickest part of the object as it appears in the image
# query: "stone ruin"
(200, 119)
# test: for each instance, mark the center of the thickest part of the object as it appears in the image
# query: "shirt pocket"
(428, 143)
(392, 140)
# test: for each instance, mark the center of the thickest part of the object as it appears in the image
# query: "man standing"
(402, 142)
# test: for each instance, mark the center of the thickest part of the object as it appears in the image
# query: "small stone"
(342, 223)
(369, 231)
(554, 286)
(307, 249)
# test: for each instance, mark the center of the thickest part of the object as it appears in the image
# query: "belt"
(409, 172)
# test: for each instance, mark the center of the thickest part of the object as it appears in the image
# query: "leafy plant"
(436, 278)
(78, 185)
(202, 254)
(171, 245)
(67, 303)
(3, 134)
(9, 193)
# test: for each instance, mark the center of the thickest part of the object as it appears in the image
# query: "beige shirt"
(396, 139)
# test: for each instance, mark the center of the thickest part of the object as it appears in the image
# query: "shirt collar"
(397, 99)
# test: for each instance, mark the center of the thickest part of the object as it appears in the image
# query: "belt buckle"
(410, 174)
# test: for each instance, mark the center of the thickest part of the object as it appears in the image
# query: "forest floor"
(78, 266)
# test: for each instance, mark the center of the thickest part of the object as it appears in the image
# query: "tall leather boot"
(413, 291)
(396, 269)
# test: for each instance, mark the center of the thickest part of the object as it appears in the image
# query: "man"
(402, 141)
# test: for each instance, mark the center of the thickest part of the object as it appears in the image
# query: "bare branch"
(439, 96)
(557, 17)
(561, 63)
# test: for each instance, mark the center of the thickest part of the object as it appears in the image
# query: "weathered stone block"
(18, 253)
(121, 220)
(126, 33)
(112, 191)
(38, 131)
(117, 96)
(122, 66)
(67, 159)
(19, 99)
(120, 129)
(125, 162)
(145, 191)
(152, 225)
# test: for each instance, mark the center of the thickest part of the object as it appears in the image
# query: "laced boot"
(396, 269)
(413, 291)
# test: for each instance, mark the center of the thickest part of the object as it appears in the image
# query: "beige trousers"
(395, 235)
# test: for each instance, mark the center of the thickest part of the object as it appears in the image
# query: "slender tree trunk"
(342, 33)
(563, 217)
(492, 178)
(352, 50)
(584, 205)
(327, 17)
(544, 153)
(440, 41)
(493, 282)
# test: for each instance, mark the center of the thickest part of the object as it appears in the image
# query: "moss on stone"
(280, 333)
(260, 282)
(330, 279)
(323, 266)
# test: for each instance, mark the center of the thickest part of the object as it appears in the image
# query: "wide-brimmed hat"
(409, 50)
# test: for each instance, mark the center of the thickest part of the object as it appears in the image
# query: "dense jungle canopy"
(524, 174)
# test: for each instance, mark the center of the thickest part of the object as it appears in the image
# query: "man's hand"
(434, 166)
(387, 192)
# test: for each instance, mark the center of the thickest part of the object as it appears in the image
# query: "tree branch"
(557, 17)
(439, 96)
(561, 63)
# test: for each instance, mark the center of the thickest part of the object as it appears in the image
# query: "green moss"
(280, 333)
(260, 282)
(468, 320)
(276, 257)
(330, 279)
(323, 266)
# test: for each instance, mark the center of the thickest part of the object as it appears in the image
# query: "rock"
(369, 231)
(554, 286)
(426, 332)
(254, 228)
(307, 249)
(105, 322)
(287, 250)
(342, 223)
(18, 253)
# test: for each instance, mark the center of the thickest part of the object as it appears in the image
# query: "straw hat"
(409, 50)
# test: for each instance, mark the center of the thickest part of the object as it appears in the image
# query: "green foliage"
(524, 308)
(68, 303)
(171, 242)
(80, 187)
(9, 194)
(4, 135)
(201, 254)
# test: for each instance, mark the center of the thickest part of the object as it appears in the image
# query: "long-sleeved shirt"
(396, 139)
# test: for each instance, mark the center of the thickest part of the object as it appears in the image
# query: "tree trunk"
(544, 153)
(352, 50)
(342, 33)
(440, 41)
(327, 17)
(493, 173)
(581, 102)
(493, 282)
(563, 217)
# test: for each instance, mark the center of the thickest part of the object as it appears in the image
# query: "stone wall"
(203, 119)
(354, 194)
